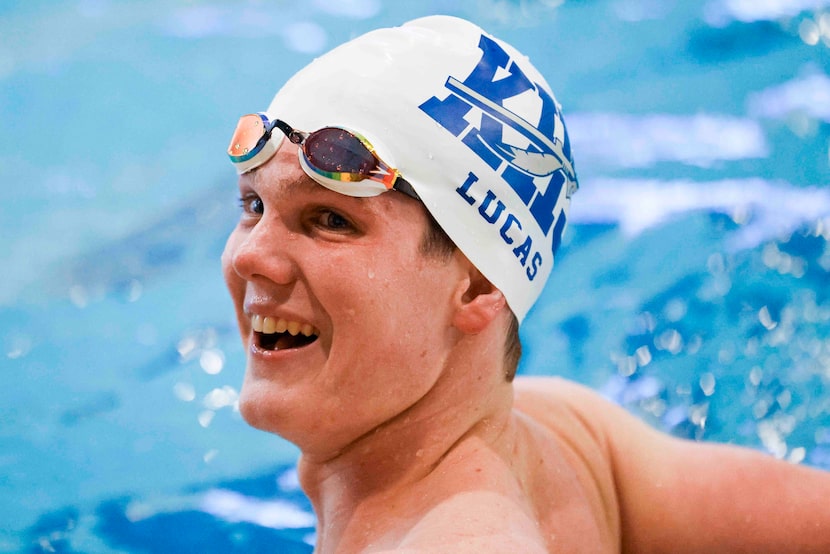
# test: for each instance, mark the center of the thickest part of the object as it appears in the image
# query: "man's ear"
(478, 303)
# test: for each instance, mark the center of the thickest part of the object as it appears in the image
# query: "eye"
(332, 221)
(251, 204)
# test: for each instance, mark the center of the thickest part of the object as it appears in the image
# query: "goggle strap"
(402, 185)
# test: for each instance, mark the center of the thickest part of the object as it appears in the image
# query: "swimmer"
(403, 198)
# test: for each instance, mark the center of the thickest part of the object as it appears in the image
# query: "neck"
(467, 410)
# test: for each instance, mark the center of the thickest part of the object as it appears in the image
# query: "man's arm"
(680, 496)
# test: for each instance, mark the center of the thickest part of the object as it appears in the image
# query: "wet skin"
(353, 269)
(411, 438)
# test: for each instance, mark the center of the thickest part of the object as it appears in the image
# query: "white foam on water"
(306, 37)
(197, 22)
(774, 209)
(808, 94)
(355, 9)
(235, 507)
(634, 141)
(720, 12)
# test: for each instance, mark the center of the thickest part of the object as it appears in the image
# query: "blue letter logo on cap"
(537, 169)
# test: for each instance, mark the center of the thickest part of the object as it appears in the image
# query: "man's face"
(349, 273)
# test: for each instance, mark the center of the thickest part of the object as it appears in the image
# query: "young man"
(402, 200)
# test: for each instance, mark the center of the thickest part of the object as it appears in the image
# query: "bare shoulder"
(475, 522)
(558, 403)
(557, 389)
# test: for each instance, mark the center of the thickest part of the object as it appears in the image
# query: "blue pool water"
(693, 285)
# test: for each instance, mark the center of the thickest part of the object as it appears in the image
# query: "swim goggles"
(339, 159)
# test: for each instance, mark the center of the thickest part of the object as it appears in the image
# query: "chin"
(256, 409)
(264, 408)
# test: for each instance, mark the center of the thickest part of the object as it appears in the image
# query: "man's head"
(355, 304)
(465, 120)
(347, 321)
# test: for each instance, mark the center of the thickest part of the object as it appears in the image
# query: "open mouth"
(279, 334)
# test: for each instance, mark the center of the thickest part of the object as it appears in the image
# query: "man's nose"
(265, 251)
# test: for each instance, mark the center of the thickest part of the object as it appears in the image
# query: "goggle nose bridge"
(294, 136)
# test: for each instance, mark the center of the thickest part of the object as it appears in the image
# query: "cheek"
(399, 315)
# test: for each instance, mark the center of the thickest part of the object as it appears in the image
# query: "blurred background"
(693, 285)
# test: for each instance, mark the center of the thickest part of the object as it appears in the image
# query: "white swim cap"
(469, 122)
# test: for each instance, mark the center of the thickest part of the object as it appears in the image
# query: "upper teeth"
(270, 325)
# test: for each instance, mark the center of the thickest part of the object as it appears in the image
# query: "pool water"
(693, 285)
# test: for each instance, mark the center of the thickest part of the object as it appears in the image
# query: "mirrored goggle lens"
(341, 155)
(248, 138)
